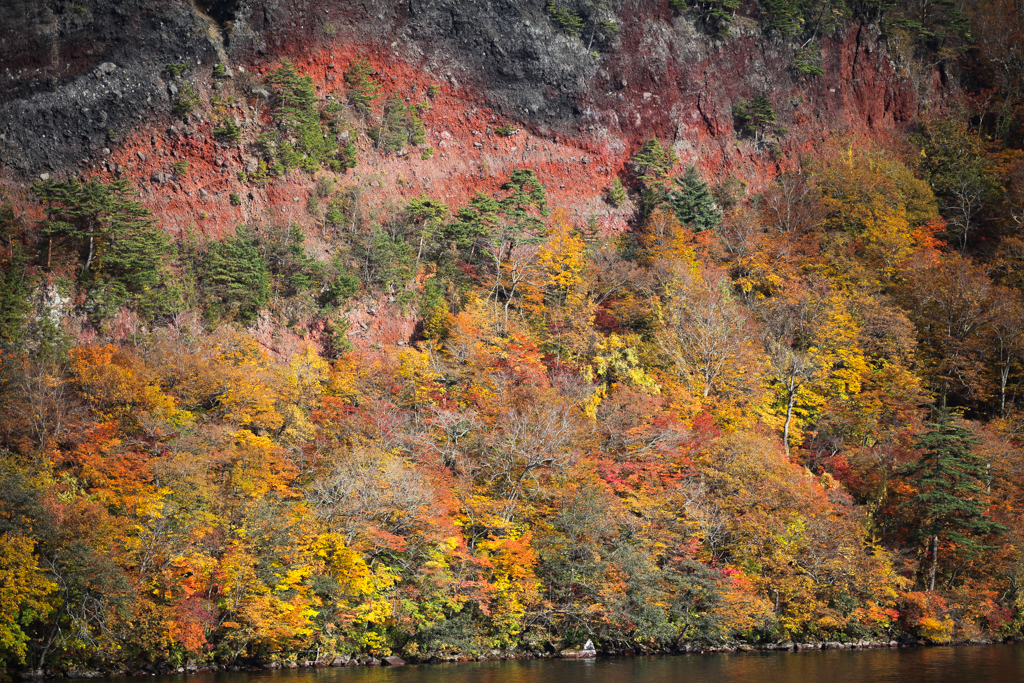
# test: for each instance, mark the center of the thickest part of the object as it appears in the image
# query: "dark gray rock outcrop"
(77, 75)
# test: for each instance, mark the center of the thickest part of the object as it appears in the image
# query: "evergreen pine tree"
(296, 112)
(135, 263)
(296, 96)
(570, 22)
(616, 193)
(335, 215)
(526, 192)
(478, 219)
(392, 134)
(122, 250)
(950, 504)
(349, 154)
(237, 275)
(417, 131)
(363, 89)
(756, 117)
(653, 161)
(651, 165)
(693, 202)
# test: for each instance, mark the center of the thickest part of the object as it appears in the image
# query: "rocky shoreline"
(194, 668)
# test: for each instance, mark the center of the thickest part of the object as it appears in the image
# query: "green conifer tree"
(616, 193)
(237, 275)
(335, 215)
(756, 117)
(296, 96)
(571, 23)
(653, 162)
(526, 192)
(349, 153)
(123, 253)
(14, 279)
(393, 133)
(478, 219)
(950, 506)
(297, 114)
(693, 202)
(417, 131)
(362, 89)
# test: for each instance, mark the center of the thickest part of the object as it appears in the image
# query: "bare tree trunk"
(380, 135)
(54, 631)
(1004, 376)
(88, 261)
(935, 563)
(789, 417)
(419, 252)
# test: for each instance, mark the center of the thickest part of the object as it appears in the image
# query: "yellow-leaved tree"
(813, 354)
(874, 197)
(710, 342)
(23, 592)
(559, 294)
(359, 598)
(252, 388)
(270, 616)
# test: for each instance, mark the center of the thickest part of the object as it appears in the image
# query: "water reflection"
(983, 664)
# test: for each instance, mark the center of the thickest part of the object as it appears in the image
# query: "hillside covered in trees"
(698, 408)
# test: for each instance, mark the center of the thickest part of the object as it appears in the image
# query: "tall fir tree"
(480, 218)
(297, 114)
(653, 161)
(693, 202)
(651, 165)
(526, 191)
(392, 134)
(349, 156)
(950, 505)
(295, 102)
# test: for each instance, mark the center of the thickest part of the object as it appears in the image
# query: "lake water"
(969, 664)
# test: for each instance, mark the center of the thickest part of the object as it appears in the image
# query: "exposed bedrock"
(77, 75)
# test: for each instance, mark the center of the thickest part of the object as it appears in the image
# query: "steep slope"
(82, 77)
(78, 75)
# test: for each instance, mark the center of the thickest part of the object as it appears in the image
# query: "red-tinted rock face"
(657, 72)
(583, 112)
(100, 102)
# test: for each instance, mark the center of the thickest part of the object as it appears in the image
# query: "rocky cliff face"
(658, 73)
(77, 74)
(84, 79)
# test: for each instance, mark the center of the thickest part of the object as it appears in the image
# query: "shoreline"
(349, 661)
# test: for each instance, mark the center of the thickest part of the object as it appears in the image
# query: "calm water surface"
(982, 664)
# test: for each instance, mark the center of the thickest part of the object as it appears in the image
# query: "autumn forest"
(791, 412)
